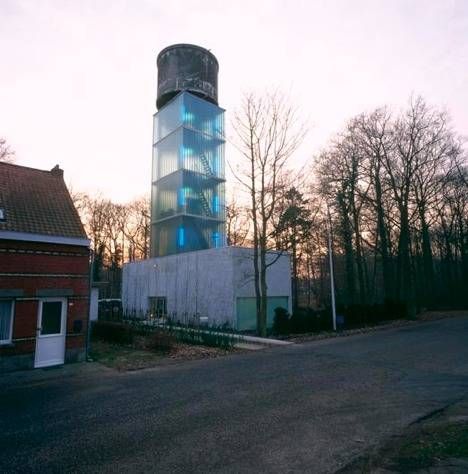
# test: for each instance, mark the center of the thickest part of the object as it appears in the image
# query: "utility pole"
(332, 280)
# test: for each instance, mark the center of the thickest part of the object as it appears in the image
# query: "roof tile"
(38, 202)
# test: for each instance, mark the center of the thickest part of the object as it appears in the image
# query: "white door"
(51, 331)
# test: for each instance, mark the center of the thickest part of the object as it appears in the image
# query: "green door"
(246, 312)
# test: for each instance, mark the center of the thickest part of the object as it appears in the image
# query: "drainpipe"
(88, 324)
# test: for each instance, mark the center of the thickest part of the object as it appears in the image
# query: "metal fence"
(186, 328)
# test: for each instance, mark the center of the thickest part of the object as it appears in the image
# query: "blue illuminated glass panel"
(181, 197)
(216, 204)
(181, 237)
(216, 240)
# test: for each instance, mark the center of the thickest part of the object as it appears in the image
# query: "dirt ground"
(436, 444)
(125, 358)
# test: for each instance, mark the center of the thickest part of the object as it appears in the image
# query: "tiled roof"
(38, 202)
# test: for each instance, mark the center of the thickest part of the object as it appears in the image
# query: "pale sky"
(78, 77)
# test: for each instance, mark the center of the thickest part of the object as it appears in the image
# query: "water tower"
(187, 195)
(191, 272)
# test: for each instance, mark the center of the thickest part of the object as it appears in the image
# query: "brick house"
(44, 271)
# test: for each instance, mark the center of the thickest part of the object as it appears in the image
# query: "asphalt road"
(304, 408)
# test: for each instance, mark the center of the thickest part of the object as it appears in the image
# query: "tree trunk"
(348, 248)
(463, 243)
(428, 264)
(262, 327)
(294, 288)
(404, 280)
(387, 269)
(359, 262)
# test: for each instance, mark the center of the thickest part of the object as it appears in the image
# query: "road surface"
(311, 407)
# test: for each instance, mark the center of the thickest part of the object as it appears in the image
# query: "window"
(157, 306)
(6, 321)
(51, 318)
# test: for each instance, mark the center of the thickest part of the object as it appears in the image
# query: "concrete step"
(248, 346)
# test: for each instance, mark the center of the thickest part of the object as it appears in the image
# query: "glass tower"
(187, 195)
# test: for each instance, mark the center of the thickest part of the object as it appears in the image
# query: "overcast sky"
(78, 78)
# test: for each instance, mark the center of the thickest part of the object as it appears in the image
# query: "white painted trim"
(263, 340)
(50, 239)
(8, 341)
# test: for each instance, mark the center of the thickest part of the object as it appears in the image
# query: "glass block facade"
(187, 196)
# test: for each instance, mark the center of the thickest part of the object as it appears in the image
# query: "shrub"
(210, 337)
(299, 322)
(324, 320)
(303, 320)
(113, 332)
(160, 341)
(281, 321)
(307, 320)
(110, 310)
(358, 315)
(395, 310)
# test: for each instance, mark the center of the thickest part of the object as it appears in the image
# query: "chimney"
(56, 171)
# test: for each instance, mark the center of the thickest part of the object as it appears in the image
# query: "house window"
(157, 306)
(6, 321)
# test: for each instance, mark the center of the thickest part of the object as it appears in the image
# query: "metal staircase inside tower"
(205, 205)
(206, 165)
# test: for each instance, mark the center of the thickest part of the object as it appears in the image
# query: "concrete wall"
(278, 275)
(205, 282)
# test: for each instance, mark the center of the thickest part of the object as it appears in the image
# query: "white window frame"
(8, 341)
(63, 316)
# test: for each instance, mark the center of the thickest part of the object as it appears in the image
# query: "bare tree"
(95, 215)
(341, 175)
(137, 228)
(420, 134)
(237, 224)
(397, 182)
(7, 155)
(293, 231)
(373, 133)
(268, 134)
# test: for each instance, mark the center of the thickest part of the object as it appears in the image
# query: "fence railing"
(186, 328)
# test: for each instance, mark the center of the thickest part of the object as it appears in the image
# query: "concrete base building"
(215, 284)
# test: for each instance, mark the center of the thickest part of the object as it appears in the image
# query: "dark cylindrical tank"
(187, 67)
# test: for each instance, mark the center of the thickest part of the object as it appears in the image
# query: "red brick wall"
(42, 263)
(24, 325)
(31, 266)
(77, 311)
(76, 342)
